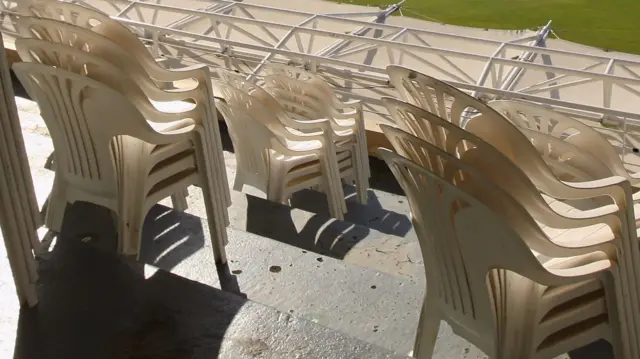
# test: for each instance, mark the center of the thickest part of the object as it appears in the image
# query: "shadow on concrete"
(168, 237)
(371, 215)
(96, 305)
(320, 234)
(597, 350)
(381, 177)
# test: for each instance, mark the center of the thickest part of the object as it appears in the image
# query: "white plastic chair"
(343, 115)
(290, 113)
(276, 160)
(548, 157)
(172, 100)
(102, 24)
(515, 173)
(309, 106)
(108, 154)
(505, 300)
(534, 117)
(97, 33)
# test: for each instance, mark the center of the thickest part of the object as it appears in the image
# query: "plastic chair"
(543, 154)
(301, 105)
(113, 41)
(343, 115)
(506, 301)
(108, 154)
(276, 160)
(56, 54)
(102, 24)
(173, 100)
(534, 117)
(517, 176)
(301, 114)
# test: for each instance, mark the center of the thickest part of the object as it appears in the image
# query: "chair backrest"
(471, 150)
(135, 85)
(83, 117)
(296, 85)
(458, 214)
(241, 83)
(91, 19)
(252, 138)
(57, 31)
(282, 102)
(300, 74)
(74, 14)
(535, 117)
(474, 116)
(292, 95)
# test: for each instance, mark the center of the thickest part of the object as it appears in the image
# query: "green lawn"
(610, 24)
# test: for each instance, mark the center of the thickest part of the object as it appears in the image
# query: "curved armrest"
(171, 136)
(160, 73)
(576, 274)
(615, 187)
(549, 248)
(607, 214)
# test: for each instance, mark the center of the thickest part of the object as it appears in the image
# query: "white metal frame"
(277, 41)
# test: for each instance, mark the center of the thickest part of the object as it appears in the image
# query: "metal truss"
(354, 48)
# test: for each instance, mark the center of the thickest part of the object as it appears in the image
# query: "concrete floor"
(363, 276)
(96, 305)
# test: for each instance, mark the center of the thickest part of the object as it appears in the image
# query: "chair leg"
(57, 205)
(179, 200)
(620, 336)
(362, 181)
(428, 326)
(130, 221)
(238, 182)
(214, 207)
(336, 209)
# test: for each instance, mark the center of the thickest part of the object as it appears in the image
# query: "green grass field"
(608, 24)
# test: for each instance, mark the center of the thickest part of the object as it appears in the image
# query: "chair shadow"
(168, 237)
(597, 350)
(371, 215)
(96, 305)
(321, 234)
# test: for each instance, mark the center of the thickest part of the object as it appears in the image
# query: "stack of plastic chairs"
(485, 275)
(345, 116)
(130, 53)
(276, 159)
(531, 117)
(542, 158)
(53, 38)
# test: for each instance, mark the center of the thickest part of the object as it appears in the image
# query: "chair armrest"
(616, 187)
(170, 136)
(160, 73)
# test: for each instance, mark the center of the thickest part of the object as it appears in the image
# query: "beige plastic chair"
(515, 175)
(277, 161)
(60, 55)
(505, 300)
(108, 154)
(102, 24)
(289, 92)
(536, 118)
(291, 112)
(544, 156)
(343, 115)
(111, 40)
